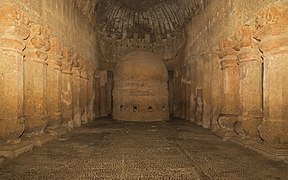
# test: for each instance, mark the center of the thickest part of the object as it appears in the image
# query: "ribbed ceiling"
(127, 18)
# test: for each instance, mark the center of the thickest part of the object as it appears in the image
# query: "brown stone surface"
(141, 90)
(107, 149)
(64, 63)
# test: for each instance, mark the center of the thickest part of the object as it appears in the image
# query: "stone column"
(54, 84)
(183, 92)
(188, 92)
(250, 92)
(35, 80)
(274, 45)
(177, 97)
(76, 75)
(13, 30)
(83, 92)
(199, 91)
(230, 106)
(97, 95)
(171, 92)
(66, 93)
(216, 92)
(103, 94)
(193, 77)
(207, 104)
(90, 92)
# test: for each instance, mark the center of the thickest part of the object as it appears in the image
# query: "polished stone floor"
(108, 149)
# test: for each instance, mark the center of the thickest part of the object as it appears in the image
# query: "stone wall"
(235, 52)
(48, 61)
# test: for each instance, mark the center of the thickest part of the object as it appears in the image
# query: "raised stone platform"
(276, 152)
(14, 150)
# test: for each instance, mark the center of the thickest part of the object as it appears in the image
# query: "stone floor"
(107, 149)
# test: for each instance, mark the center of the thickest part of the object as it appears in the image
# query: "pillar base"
(57, 133)
(39, 140)
(274, 132)
(226, 123)
(273, 151)
(12, 151)
(77, 118)
(247, 127)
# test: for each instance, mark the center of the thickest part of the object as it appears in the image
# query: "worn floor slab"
(107, 149)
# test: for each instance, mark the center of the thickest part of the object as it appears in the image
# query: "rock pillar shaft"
(12, 34)
(250, 100)
(103, 94)
(275, 53)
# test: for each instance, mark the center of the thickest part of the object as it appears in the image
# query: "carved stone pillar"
(199, 91)
(183, 92)
(216, 92)
(83, 92)
(207, 98)
(274, 45)
(250, 99)
(66, 94)
(35, 80)
(193, 77)
(90, 92)
(230, 106)
(188, 92)
(177, 88)
(103, 94)
(76, 85)
(13, 30)
(171, 92)
(54, 84)
(97, 95)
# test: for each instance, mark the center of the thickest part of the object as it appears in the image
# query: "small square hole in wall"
(150, 108)
(135, 109)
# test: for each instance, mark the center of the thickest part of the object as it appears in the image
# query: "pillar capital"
(14, 23)
(38, 44)
(273, 45)
(226, 48)
(244, 37)
(272, 21)
(229, 61)
(247, 54)
(67, 61)
(55, 54)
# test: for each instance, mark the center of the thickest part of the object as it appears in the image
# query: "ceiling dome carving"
(156, 26)
(155, 18)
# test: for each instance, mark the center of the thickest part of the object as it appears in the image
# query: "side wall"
(48, 63)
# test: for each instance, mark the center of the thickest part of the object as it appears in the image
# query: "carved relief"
(272, 21)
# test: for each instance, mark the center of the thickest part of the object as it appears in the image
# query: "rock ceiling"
(156, 25)
(125, 18)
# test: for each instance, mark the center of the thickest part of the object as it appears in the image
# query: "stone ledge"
(276, 152)
(39, 140)
(241, 141)
(27, 144)
(12, 151)
(225, 134)
(57, 133)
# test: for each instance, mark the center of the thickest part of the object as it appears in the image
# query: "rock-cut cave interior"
(150, 89)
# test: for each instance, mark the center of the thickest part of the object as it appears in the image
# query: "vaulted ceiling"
(163, 18)
(126, 25)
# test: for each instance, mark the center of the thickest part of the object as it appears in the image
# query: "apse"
(141, 89)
